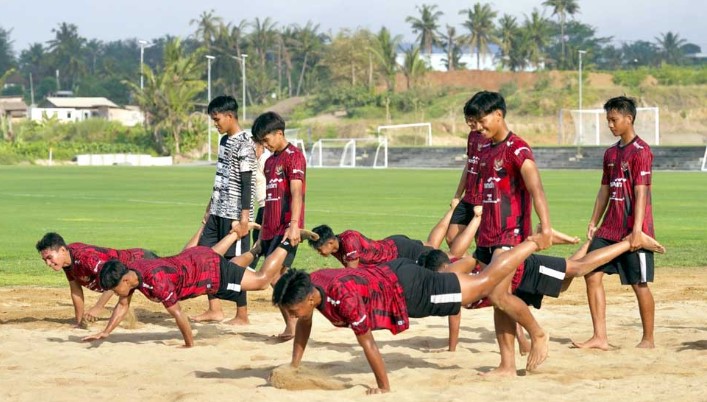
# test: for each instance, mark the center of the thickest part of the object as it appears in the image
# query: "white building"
(73, 109)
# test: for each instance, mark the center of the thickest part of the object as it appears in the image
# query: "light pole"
(209, 58)
(143, 44)
(581, 131)
(243, 81)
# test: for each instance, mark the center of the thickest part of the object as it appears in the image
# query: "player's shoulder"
(640, 145)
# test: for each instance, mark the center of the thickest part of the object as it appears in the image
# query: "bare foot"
(308, 235)
(523, 347)
(538, 352)
(208, 315)
(645, 344)
(592, 343)
(238, 321)
(284, 337)
(500, 372)
(563, 238)
(651, 244)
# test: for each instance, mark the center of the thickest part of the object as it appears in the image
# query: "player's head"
(433, 259)
(114, 276)
(471, 121)
(269, 130)
(294, 293)
(223, 110)
(52, 249)
(620, 114)
(488, 109)
(327, 242)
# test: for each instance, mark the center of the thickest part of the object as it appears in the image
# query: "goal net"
(292, 136)
(416, 134)
(349, 153)
(589, 127)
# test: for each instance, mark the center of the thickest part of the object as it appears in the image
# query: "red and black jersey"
(355, 246)
(362, 299)
(475, 143)
(624, 168)
(87, 262)
(193, 272)
(507, 205)
(280, 169)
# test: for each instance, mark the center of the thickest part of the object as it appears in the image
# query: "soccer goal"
(292, 136)
(704, 161)
(350, 153)
(407, 134)
(589, 126)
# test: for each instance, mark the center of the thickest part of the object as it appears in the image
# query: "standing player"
(82, 264)
(468, 209)
(260, 190)
(231, 205)
(624, 201)
(285, 172)
(510, 185)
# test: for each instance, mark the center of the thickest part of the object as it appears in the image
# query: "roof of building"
(81, 102)
(10, 103)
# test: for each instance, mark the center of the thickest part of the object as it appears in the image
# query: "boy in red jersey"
(624, 201)
(285, 172)
(511, 187)
(467, 213)
(82, 264)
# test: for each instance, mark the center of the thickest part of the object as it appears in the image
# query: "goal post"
(589, 126)
(407, 134)
(349, 153)
(703, 168)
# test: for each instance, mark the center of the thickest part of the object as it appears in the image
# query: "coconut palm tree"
(562, 8)
(384, 49)
(309, 44)
(479, 23)
(66, 49)
(670, 45)
(413, 67)
(207, 26)
(537, 32)
(507, 35)
(451, 46)
(426, 26)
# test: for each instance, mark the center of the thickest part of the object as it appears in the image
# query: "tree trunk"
(301, 76)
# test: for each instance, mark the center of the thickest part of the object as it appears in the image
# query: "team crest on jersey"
(624, 166)
(85, 279)
(498, 164)
(278, 170)
(479, 147)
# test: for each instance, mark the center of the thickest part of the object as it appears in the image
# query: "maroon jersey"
(355, 246)
(507, 205)
(475, 143)
(87, 262)
(624, 168)
(193, 272)
(280, 169)
(362, 299)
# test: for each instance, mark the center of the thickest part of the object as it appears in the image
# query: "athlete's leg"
(646, 306)
(597, 309)
(505, 336)
(462, 241)
(438, 232)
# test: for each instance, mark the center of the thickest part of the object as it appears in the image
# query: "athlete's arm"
(182, 323)
(531, 178)
(92, 314)
(302, 331)
(77, 300)
(370, 349)
(599, 208)
(639, 208)
(454, 324)
(295, 209)
(461, 186)
(119, 312)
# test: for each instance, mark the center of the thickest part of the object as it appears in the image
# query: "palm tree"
(670, 45)
(384, 49)
(207, 27)
(507, 35)
(426, 26)
(479, 23)
(66, 48)
(413, 67)
(262, 38)
(309, 44)
(286, 42)
(7, 57)
(451, 46)
(562, 8)
(537, 32)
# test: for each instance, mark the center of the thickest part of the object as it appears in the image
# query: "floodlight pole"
(580, 140)
(143, 44)
(244, 83)
(209, 58)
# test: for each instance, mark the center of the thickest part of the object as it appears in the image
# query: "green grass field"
(160, 208)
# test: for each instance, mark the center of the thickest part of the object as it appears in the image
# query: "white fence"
(122, 159)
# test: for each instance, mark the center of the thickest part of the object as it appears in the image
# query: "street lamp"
(143, 44)
(581, 133)
(209, 58)
(243, 81)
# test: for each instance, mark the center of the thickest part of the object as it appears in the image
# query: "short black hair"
(223, 104)
(622, 104)
(325, 234)
(51, 241)
(265, 124)
(292, 288)
(467, 106)
(433, 259)
(485, 102)
(111, 274)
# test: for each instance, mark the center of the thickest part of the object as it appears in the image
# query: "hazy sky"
(625, 20)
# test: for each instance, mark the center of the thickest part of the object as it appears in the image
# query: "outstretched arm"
(599, 207)
(454, 324)
(119, 312)
(92, 314)
(531, 178)
(77, 300)
(375, 360)
(182, 323)
(302, 331)
(296, 202)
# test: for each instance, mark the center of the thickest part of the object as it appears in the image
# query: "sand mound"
(304, 378)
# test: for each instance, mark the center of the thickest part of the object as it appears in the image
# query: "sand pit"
(147, 363)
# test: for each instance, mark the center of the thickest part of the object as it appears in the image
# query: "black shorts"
(484, 254)
(633, 267)
(407, 247)
(271, 245)
(542, 276)
(230, 284)
(215, 229)
(427, 293)
(463, 214)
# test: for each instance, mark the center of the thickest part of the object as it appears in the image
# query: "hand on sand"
(95, 337)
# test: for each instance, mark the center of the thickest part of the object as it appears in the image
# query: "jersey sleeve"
(642, 165)
(352, 310)
(350, 245)
(164, 290)
(296, 167)
(606, 171)
(520, 152)
(247, 162)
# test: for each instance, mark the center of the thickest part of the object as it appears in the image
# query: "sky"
(32, 21)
